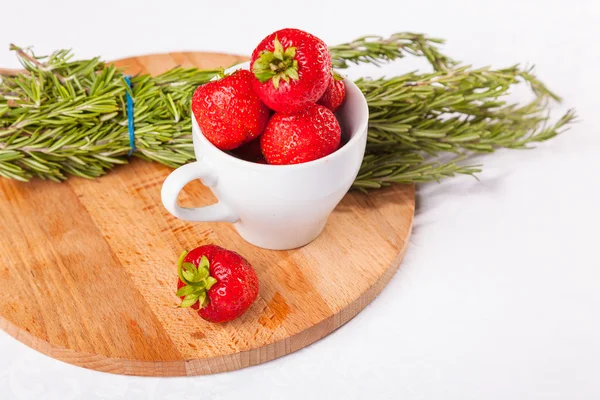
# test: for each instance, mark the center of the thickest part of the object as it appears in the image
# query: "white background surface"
(499, 293)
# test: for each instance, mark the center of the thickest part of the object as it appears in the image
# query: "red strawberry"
(249, 151)
(308, 135)
(228, 110)
(219, 282)
(335, 93)
(292, 70)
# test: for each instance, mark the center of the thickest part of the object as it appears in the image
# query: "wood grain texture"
(88, 275)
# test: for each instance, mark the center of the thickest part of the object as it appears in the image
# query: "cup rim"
(355, 139)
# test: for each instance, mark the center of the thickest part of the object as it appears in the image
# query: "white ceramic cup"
(276, 207)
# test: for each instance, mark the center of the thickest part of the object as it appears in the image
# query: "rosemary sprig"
(50, 128)
(461, 111)
(62, 116)
(377, 50)
(454, 112)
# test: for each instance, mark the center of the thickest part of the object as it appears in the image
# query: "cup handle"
(176, 181)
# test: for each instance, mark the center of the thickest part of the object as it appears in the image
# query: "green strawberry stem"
(197, 281)
(276, 65)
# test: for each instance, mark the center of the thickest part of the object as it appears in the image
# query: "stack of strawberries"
(282, 110)
(279, 112)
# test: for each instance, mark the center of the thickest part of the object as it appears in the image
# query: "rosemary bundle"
(62, 116)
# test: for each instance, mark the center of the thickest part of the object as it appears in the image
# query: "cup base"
(278, 241)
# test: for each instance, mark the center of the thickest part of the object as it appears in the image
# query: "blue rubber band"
(130, 118)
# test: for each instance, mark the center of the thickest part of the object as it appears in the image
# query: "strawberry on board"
(292, 69)
(228, 111)
(305, 136)
(219, 283)
(335, 94)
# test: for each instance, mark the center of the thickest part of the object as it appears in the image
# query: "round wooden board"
(87, 268)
